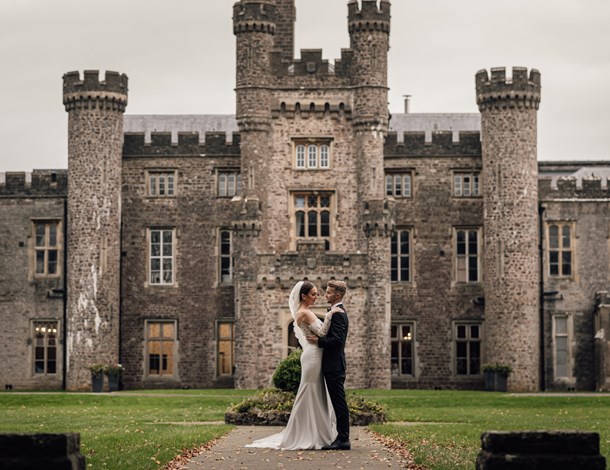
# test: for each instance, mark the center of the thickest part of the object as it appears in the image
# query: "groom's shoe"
(338, 445)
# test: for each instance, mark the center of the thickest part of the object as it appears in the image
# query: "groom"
(333, 362)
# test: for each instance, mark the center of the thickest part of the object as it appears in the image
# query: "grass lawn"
(124, 431)
(442, 429)
(146, 429)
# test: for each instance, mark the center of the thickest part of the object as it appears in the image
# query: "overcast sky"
(179, 56)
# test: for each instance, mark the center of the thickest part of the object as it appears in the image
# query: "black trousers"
(336, 390)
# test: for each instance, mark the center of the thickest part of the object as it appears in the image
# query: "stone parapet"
(498, 92)
(91, 92)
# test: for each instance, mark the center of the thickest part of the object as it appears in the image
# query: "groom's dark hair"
(305, 288)
(339, 286)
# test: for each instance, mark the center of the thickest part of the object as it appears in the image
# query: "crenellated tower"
(95, 141)
(510, 197)
(369, 29)
(254, 25)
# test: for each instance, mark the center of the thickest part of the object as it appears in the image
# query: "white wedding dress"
(312, 423)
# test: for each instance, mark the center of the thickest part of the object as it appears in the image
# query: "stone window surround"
(561, 249)
(474, 186)
(569, 335)
(221, 183)
(390, 182)
(293, 214)
(168, 183)
(174, 349)
(231, 339)
(468, 339)
(399, 256)
(479, 231)
(174, 282)
(301, 148)
(58, 247)
(412, 340)
(225, 256)
(34, 325)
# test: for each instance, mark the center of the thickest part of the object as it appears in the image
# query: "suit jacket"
(333, 343)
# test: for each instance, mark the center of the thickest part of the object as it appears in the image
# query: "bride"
(312, 423)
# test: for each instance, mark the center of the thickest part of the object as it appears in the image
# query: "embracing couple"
(320, 416)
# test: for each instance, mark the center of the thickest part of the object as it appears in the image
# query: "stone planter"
(280, 418)
(97, 381)
(113, 381)
(495, 382)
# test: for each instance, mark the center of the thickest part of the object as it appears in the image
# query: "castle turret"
(369, 28)
(254, 25)
(95, 140)
(510, 196)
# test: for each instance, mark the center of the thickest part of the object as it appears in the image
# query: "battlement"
(254, 16)
(166, 144)
(522, 91)
(435, 144)
(311, 64)
(371, 16)
(569, 188)
(36, 183)
(90, 91)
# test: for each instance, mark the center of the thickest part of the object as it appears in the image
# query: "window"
(312, 215)
(161, 183)
(398, 184)
(47, 248)
(467, 255)
(466, 184)
(401, 256)
(45, 347)
(160, 345)
(561, 346)
(467, 348)
(402, 339)
(312, 155)
(226, 256)
(229, 183)
(161, 256)
(560, 249)
(225, 331)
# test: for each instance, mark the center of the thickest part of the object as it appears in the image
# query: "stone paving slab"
(229, 453)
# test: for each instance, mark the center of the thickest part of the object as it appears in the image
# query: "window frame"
(390, 183)
(474, 185)
(561, 250)
(171, 181)
(468, 340)
(457, 256)
(226, 173)
(399, 256)
(231, 340)
(304, 159)
(161, 339)
(161, 257)
(225, 256)
(399, 325)
(46, 248)
(46, 347)
(568, 335)
(307, 211)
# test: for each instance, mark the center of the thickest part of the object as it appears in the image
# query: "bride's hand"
(334, 310)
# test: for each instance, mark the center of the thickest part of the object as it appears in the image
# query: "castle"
(171, 243)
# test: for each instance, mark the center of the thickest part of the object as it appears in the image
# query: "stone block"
(41, 451)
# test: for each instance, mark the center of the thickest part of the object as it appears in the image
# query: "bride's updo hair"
(305, 288)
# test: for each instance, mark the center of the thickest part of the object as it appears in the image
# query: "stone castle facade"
(171, 243)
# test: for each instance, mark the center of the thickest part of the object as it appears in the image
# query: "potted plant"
(97, 376)
(114, 372)
(496, 376)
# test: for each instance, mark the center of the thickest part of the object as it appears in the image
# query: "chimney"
(407, 103)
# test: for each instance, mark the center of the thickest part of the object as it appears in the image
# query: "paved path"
(229, 453)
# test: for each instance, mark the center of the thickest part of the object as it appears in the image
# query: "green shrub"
(287, 376)
(265, 400)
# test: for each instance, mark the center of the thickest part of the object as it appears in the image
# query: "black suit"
(333, 368)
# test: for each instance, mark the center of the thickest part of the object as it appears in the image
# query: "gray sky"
(179, 57)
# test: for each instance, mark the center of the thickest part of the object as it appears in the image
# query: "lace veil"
(293, 302)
